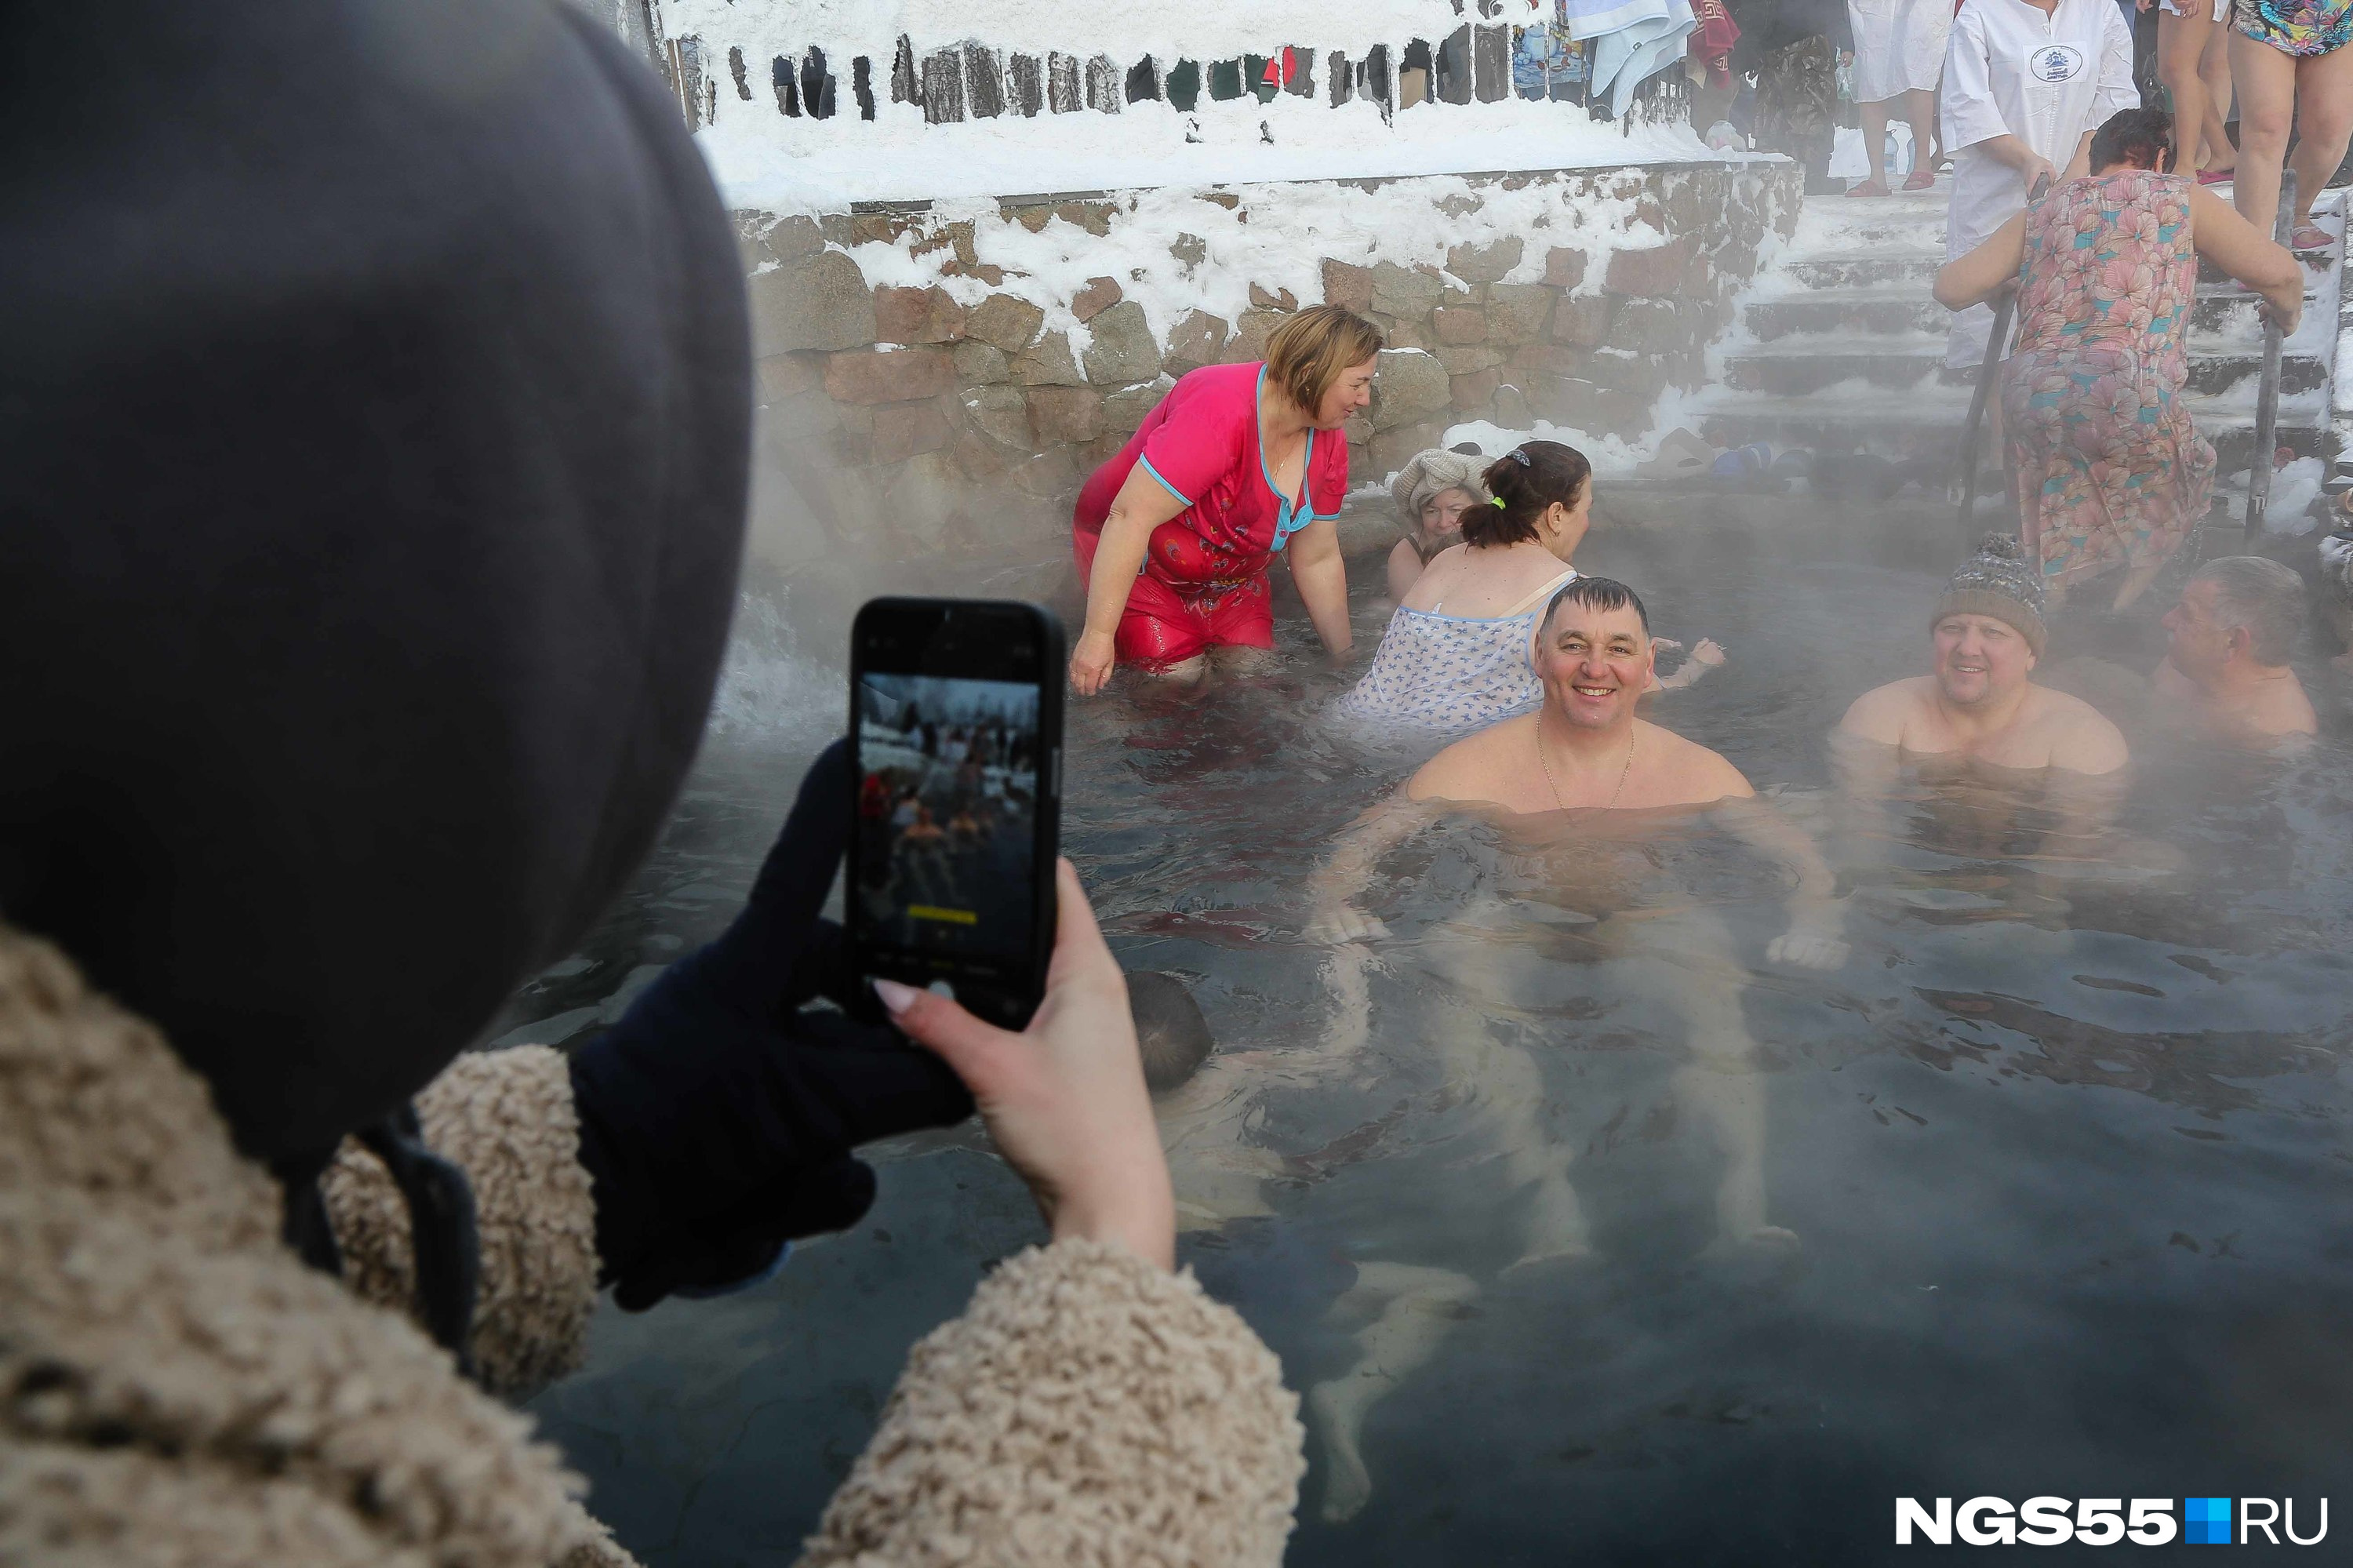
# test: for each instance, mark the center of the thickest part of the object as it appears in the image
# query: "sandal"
(1921, 180)
(2309, 236)
(2217, 176)
(1867, 188)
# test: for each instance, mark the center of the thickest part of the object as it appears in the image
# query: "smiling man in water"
(1577, 921)
(1980, 705)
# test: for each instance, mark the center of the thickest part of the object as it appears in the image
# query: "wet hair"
(1524, 481)
(1308, 351)
(1597, 593)
(1169, 1029)
(2261, 595)
(2141, 137)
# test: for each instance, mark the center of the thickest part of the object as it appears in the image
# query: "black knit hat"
(2000, 582)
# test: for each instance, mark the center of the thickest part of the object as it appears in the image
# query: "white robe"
(1899, 45)
(2009, 69)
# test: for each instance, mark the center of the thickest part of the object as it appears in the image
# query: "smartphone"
(956, 716)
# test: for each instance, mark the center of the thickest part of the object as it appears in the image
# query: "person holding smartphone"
(1239, 463)
(364, 583)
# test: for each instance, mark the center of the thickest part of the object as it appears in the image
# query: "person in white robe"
(1899, 56)
(2026, 83)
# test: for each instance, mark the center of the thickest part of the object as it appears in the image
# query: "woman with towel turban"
(1431, 491)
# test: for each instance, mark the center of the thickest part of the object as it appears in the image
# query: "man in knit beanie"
(1980, 704)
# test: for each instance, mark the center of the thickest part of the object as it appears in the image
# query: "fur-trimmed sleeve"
(1088, 1407)
(507, 1118)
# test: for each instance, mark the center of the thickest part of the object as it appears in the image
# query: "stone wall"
(939, 423)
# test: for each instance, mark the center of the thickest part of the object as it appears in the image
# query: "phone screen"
(952, 856)
(948, 797)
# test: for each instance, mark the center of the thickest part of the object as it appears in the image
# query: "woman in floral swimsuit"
(2290, 62)
(2110, 472)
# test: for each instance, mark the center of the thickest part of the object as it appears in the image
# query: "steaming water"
(2061, 1144)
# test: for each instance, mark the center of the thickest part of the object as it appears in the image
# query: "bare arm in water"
(1341, 880)
(1814, 939)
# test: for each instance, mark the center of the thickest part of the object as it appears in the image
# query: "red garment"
(1162, 627)
(1712, 44)
(1201, 444)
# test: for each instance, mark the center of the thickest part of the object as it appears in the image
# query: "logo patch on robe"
(2055, 63)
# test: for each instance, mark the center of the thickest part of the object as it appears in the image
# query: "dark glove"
(717, 1117)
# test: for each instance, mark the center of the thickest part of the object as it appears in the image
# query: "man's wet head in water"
(1594, 653)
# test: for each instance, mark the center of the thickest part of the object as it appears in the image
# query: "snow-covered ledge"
(955, 368)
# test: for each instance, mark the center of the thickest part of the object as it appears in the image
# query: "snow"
(1276, 239)
(771, 164)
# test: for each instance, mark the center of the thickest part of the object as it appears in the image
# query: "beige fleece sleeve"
(507, 1118)
(1088, 1407)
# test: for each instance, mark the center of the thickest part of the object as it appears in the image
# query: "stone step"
(1916, 265)
(1796, 367)
(2224, 312)
(1930, 420)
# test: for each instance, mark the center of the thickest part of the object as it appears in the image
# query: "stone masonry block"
(1391, 449)
(790, 238)
(1402, 292)
(1251, 330)
(784, 375)
(1580, 321)
(1648, 326)
(1348, 284)
(1653, 273)
(904, 429)
(1125, 409)
(1199, 338)
(816, 301)
(1124, 350)
(1004, 321)
(1000, 414)
(1060, 414)
(1048, 362)
(1049, 474)
(1098, 296)
(1516, 312)
(917, 316)
(1459, 325)
(874, 375)
(1565, 266)
(1547, 359)
(1265, 299)
(1485, 263)
(1471, 392)
(1469, 357)
(981, 364)
(1408, 387)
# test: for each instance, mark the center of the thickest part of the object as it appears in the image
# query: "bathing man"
(1565, 784)
(2229, 640)
(1980, 705)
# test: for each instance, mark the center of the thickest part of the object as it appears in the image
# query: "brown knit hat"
(2000, 582)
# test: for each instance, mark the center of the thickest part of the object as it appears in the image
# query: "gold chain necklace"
(1546, 763)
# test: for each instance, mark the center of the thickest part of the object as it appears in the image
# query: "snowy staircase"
(1839, 347)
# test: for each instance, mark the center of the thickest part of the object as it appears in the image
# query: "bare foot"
(1348, 1486)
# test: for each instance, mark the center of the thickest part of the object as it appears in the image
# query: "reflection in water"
(2050, 1177)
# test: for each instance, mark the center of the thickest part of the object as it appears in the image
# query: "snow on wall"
(809, 105)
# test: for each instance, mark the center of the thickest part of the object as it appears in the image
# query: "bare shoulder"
(1690, 772)
(1881, 713)
(1467, 770)
(2082, 738)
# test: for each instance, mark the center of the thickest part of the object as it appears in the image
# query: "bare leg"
(1418, 1307)
(1233, 661)
(2214, 71)
(1874, 138)
(2323, 118)
(1702, 981)
(2266, 80)
(2181, 54)
(1183, 672)
(1920, 111)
